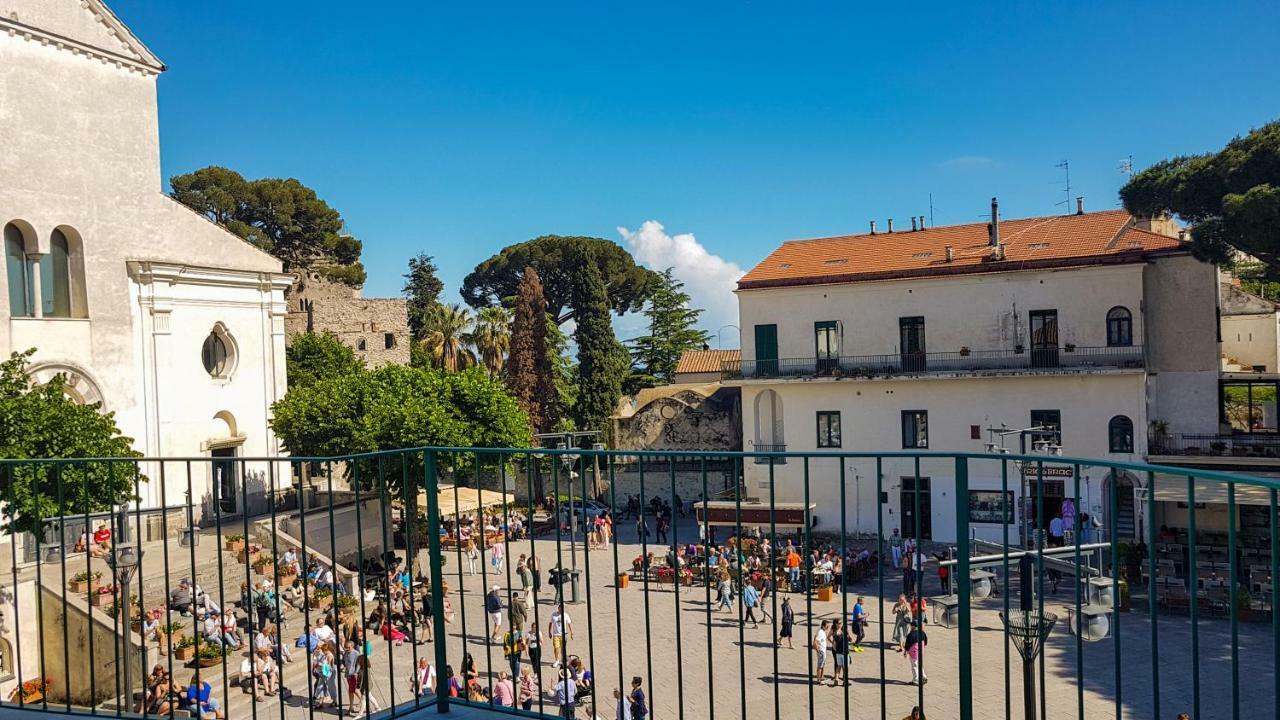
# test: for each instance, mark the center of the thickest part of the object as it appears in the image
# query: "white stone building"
(929, 338)
(172, 323)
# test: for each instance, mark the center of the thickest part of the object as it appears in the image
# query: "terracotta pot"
(98, 599)
(184, 653)
(321, 603)
(209, 662)
(82, 586)
(235, 546)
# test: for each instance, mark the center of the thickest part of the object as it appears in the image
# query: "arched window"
(218, 353)
(1119, 327)
(17, 272)
(55, 277)
(1120, 434)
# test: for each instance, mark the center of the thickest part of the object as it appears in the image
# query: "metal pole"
(126, 576)
(1028, 662)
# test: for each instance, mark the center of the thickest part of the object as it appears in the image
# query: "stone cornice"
(148, 272)
(142, 60)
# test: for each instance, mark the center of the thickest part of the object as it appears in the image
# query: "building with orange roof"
(1088, 326)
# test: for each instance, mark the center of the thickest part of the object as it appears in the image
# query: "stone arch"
(75, 265)
(769, 429)
(80, 385)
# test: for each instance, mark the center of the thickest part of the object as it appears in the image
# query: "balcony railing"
(1242, 445)
(765, 459)
(958, 361)
(439, 550)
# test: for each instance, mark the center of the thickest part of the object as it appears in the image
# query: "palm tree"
(445, 337)
(492, 337)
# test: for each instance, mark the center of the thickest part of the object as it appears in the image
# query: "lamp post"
(1040, 443)
(125, 558)
(567, 441)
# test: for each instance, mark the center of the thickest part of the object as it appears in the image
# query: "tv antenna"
(1126, 166)
(1066, 171)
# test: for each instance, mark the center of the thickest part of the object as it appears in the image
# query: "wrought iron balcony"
(764, 459)
(1241, 445)
(1068, 357)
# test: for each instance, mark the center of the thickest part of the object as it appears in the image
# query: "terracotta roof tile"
(705, 361)
(1058, 241)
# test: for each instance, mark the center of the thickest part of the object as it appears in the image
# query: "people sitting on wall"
(200, 701)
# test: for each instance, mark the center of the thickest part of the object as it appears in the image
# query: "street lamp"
(125, 559)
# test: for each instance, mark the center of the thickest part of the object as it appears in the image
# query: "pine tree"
(671, 332)
(528, 371)
(602, 360)
(422, 288)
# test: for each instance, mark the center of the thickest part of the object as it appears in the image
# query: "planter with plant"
(85, 581)
(234, 543)
(1069, 347)
(1244, 605)
(249, 553)
(964, 351)
(185, 648)
(103, 596)
(210, 654)
(346, 605)
(263, 565)
(322, 599)
(31, 691)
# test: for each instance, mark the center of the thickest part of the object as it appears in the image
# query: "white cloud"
(709, 279)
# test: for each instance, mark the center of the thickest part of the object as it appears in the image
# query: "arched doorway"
(769, 435)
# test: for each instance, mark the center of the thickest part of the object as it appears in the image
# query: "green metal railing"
(390, 564)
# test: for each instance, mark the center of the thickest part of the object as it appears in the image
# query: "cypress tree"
(528, 372)
(602, 360)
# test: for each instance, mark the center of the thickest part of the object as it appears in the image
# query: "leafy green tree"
(40, 421)
(559, 261)
(422, 288)
(1231, 198)
(671, 332)
(281, 216)
(446, 338)
(312, 357)
(528, 373)
(602, 360)
(397, 406)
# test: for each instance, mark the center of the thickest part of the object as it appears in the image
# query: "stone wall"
(681, 417)
(376, 328)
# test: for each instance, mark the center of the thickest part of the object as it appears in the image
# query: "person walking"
(859, 624)
(473, 556)
(622, 708)
(535, 569)
(533, 644)
(566, 691)
(895, 547)
(636, 700)
(559, 626)
(915, 644)
(528, 688)
(512, 647)
(370, 703)
(750, 598)
(493, 606)
(788, 622)
(725, 590)
(901, 622)
(821, 641)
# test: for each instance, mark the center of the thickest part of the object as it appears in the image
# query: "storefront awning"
(1174, 489)
(464, 500)
(727, 513)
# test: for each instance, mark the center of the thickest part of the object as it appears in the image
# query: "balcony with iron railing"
(1244, 446)
(1069, 358)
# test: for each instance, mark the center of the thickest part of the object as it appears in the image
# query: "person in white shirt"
(560, 625)
(821, 638)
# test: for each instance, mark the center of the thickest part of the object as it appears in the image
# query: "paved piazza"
(720, 669)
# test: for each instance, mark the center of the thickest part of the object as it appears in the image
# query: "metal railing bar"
(1235, 606)
(306, 589)
(88, 566)
(435, 559)
(705, 528)
(677, 583)
(1079, 583)
(807, 567)
(618, 575)
(17, 606)
(1004, 527)
(1195, 595)
(773, 575)
(965, 650)
(884, 700)
(1151, 597)
(62, 559)
(844, 597)
(1113, 501)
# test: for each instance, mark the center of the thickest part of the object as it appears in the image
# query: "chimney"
(873, 227)
(993, 230)
(921, 222)
(913, 223)
(950, 254)
(890, 224)
(1080, 205)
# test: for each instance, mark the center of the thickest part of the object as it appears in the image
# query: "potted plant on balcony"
(31, 691)
(1159, 433)
(234, 543)
(85, 581)
(1069, 347)
(185, 649)
(964, 351)
(1017, 349)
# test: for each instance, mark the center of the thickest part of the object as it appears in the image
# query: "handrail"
(923, 363)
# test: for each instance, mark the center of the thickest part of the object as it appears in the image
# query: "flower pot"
(321, 603)
(235, 546)
(83, 586)
(209, 662)
(184, 653)
(253, 556)
(264, 570)
(98, 599)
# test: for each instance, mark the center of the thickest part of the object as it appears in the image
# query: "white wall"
(1251, 340)
(982, 312)
(870, 412)
(81, 151)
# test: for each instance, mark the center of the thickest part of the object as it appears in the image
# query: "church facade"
(167, 320)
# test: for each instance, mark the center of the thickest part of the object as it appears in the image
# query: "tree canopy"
(671, 332)
(559, 261)
(40, 421)
(422, 288)
(398, 406)
(312, 357)
(281, 216)
(1231, 197)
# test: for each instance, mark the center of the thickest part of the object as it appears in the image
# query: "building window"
(826, 343)
(361, 346)
(18, 273)
(1051, 421)
(1119, 327)
(55, 278)
(1120, 434)
(218, 353)
(990, 506)
(828, 429)
(388, 340)
(915, 428)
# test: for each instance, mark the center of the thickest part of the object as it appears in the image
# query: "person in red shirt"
(102, 540)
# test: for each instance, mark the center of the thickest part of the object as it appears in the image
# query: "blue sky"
(458, 128)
